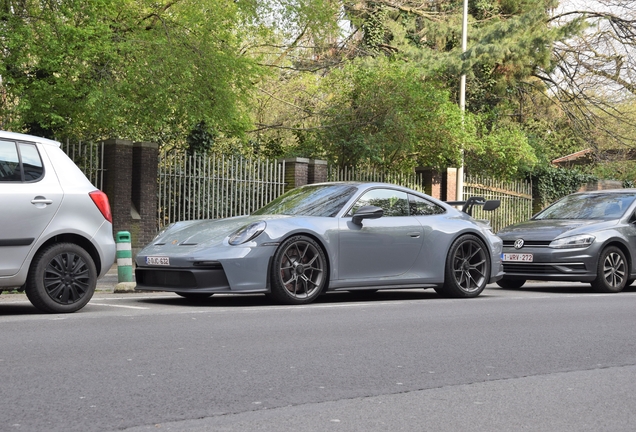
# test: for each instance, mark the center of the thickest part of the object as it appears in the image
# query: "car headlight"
(247, 233)
(577, 241)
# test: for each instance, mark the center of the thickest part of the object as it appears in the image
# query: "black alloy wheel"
(511, 283)
(299, 271)
(62, 278)
(467, 268)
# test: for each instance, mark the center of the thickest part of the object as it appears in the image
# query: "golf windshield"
(318, 200)
(589, 206)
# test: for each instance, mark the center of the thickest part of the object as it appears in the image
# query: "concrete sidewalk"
(110, 282)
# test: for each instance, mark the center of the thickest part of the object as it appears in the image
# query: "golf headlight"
(247, 233)
(578, 241)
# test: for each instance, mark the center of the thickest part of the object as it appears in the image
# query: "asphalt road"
(552, 357)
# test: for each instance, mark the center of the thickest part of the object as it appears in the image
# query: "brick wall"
(144, 191)
(118, 181)
(130, 181)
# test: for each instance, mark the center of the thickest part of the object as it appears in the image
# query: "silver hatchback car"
(56, 232)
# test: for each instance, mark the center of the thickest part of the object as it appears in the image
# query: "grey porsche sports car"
(584, 237)
(326, 237)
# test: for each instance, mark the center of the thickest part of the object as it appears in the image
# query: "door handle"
(41, 200)
(414, 234)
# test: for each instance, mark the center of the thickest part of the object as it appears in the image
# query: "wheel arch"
(80, 241)
(625, 249)
(318, 240)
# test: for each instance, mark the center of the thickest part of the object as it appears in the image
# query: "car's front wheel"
(299, 271)
(62, 279)
(511, 283)
(612, 271)
(467, 268)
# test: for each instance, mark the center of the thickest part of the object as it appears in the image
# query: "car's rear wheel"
(467, 268)
(194, 296)
(511, 283)
(612, 271)
(62, 279)
(299, 271)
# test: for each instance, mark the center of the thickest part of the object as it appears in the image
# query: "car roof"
(24, 137)
(609, 191)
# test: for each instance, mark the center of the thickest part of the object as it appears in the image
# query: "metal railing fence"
(209, 186)
(413, 181)
(89, 157)
(515, 197)
(202, 186)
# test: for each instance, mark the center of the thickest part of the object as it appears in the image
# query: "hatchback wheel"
(62, 279)
(299, 271)
(612, 271)
(467, 268)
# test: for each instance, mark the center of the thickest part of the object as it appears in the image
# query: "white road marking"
(119, 306)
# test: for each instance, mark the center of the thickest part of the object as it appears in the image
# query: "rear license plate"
(161, 261)
(517, 257)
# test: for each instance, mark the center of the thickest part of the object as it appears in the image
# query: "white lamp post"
(462, 102)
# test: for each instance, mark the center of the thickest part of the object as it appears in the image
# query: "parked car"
(326, 237)
(56, 233)
(584, 237)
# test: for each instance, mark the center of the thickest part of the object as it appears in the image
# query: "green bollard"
(124, 257)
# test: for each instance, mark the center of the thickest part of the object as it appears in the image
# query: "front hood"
(548, 230)
(208, 232)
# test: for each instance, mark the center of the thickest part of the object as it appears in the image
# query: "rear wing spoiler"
(467, 206)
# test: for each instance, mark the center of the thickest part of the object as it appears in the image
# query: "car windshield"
(588, 206)
(318, 200)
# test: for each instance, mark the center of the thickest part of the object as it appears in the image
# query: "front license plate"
(517, 257)
(162, 261)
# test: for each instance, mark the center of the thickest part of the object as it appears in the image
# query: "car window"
(589, 206)
(9, 162)
(313, 200)
(420, 207)
(31, 162)
(393, 202)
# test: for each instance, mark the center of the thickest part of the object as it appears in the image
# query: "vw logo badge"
(518, 243)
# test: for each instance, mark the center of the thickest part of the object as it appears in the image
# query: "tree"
(136, 69)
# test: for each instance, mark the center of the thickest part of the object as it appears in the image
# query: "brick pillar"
(296, 171)
(431, 181)
(144, 194)
(451, 184)
(317, 171)
(118, 181)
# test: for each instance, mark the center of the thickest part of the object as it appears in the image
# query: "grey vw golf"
(584, 237)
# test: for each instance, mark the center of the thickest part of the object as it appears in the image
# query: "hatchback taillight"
(101, 201)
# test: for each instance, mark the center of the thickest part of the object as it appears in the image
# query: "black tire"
(467, 269)
(612, 271)
(194, 296)
(62, 279)
(299, 271)
(511, 283)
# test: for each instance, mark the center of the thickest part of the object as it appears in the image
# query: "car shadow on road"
(561, 288)
(259, 300)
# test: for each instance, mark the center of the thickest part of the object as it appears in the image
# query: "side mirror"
(367, 212)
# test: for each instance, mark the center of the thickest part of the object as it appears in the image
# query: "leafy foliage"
(552, 183)
(387, 115)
